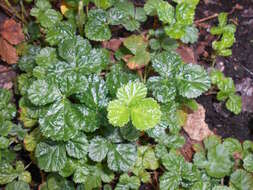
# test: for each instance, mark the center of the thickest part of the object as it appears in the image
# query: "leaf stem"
(80, 17)
(14, 11)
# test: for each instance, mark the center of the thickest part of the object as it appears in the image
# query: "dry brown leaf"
(195, 125)
(187, 54)
(112, 44)
(131, 65)
(7, 76)
(12, 32)
(8, 52)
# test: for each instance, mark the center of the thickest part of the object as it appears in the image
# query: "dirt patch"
(238, 66)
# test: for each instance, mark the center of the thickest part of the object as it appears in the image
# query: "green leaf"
(126, 182)
(17, 185)
(191, 35)
(118, 113)
(151, 6)
(165, 12)
(95, 96)
(212, 141)
(117, 77)
(59, 32)
(43, 92)
(7, 174)
(129, 133)
(149, 160)
(56, 182)
(163, 90)
(135, 43)
(132, 93)
(32, 139)
(98, 149)
(248, 162)
(90, 120)
(241, 180)
(103, 4)
(169, 181)
(193, 81)
(166, 63)
(219, 162)
(69, 168)
(50, 157)
(232, 145)
(96, 27)
(27, 61)
(78, 146)
(62, 121)
(221, 188)
(146, 114)
(92, 176)
(234, 104)
(7, 109)
(121, 157)
(46, 16)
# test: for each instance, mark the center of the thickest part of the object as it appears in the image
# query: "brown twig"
(206, 18)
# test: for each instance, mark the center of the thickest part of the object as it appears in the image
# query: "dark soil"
(237, 66)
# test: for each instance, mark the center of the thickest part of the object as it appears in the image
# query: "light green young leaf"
(118, 113)
(146, 114)
(165, 12)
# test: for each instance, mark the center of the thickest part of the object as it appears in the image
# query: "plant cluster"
(85, 118)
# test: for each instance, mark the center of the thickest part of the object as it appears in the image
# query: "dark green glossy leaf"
(193, 81)
(163, 90)
(241, 180)
(62, 121)
(96, 27)
(98, 148)
(17, 185)
(78, 146)
(121, 157)
(51, 158)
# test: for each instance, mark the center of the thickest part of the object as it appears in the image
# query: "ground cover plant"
(99, 102)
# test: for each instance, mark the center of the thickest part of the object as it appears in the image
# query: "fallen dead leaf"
(132, 65)
(187, 54)
(7, 76)
(245, 87)
(195, 125)
(112, 44)
(12, 32)
(8, 52)
(187, 150)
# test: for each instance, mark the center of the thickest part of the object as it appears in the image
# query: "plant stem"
(13, 10)
(139, 71)
(80, 17)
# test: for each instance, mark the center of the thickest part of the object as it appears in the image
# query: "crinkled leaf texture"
(131, 103)
(63, 119)
(188, 80)
(51, 157)
(120, 157)
(96, 27)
